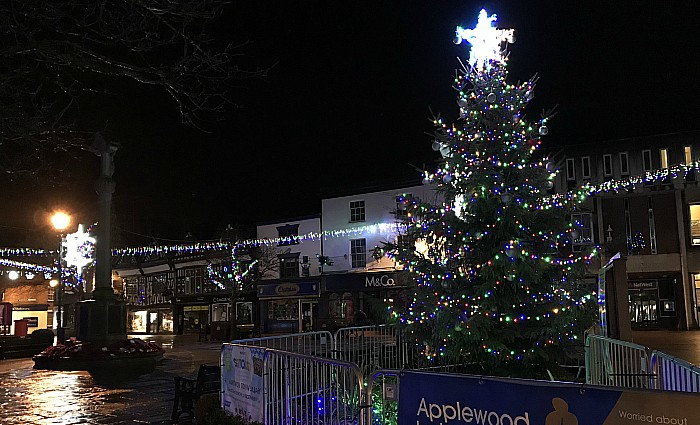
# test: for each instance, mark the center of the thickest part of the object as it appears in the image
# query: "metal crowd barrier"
(371, 347)
(382, 396)
(313, 343)
(674, 374)
(303, 389)
(617, 363)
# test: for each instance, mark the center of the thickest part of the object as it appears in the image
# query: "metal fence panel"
(674, 374)
(617, 363)
(371, 347)
(303, 389)
(312, 343)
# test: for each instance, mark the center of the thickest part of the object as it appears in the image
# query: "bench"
(188, 391)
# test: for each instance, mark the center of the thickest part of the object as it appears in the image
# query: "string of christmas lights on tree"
(493, 265)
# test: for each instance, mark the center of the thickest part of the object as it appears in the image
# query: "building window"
(663, 154)
(624, 164)
(401, 205)
(607, 165)
(288, 234)
(358, 253)
(646, 160)
(688, 154)
(695, 224)
(628, 223)
(586, 167)
(570, 171)
(584, 230)
(357, 211)
(289, 265)
(652, 227)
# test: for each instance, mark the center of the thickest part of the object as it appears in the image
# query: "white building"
(353, 279)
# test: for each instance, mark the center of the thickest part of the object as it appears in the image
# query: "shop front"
(344, 295)
(289, 307)
(151, 321)
(652, 303)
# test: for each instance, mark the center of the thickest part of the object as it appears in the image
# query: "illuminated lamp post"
(60, 221)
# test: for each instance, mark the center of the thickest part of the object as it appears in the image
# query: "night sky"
(348, 101)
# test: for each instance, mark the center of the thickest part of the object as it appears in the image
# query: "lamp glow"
(60, 220)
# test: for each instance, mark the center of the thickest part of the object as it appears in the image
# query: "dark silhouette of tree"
(57, 55)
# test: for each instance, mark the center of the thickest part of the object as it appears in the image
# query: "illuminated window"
(357, 211)
(586, 167)
(663, 153)
(341, 307)
(695, 224)
(358, 252)
(688, 154)
(607, 165)
(624, 164)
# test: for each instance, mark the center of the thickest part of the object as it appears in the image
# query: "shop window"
(244, 312)
(283, 310)
(695, 224)
(288, 234)
(357, 211)
(289, 265)
(607, 165)
(688, 154)
(219, 312)
(624, 164)
(358, 253)
(584, 230)
(341, 306)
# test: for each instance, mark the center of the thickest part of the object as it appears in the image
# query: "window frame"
(646, 155)
(663, 158)
(582, 240)
(694, 238)
(586, 167)
(624, 164)
(607, 165)
(287, 263)
(357, 211)
(570, 169)
(358, 253)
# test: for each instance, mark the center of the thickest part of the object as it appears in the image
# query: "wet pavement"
(42, 397)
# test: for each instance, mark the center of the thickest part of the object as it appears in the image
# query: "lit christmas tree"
(493, 265)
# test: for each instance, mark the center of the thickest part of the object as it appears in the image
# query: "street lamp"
(60, 221)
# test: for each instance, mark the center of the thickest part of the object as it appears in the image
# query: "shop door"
(644, 308)
(308, 315)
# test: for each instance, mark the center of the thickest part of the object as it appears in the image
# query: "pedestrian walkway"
(41, 397)
(682, 344)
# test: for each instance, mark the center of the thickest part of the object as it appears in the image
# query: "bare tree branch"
(53, 54)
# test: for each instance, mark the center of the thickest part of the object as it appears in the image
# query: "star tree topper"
(78, 249)
(486, 41)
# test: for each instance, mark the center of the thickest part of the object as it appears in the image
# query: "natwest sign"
(372, 281)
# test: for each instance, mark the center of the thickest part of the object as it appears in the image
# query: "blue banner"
(442, 399)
